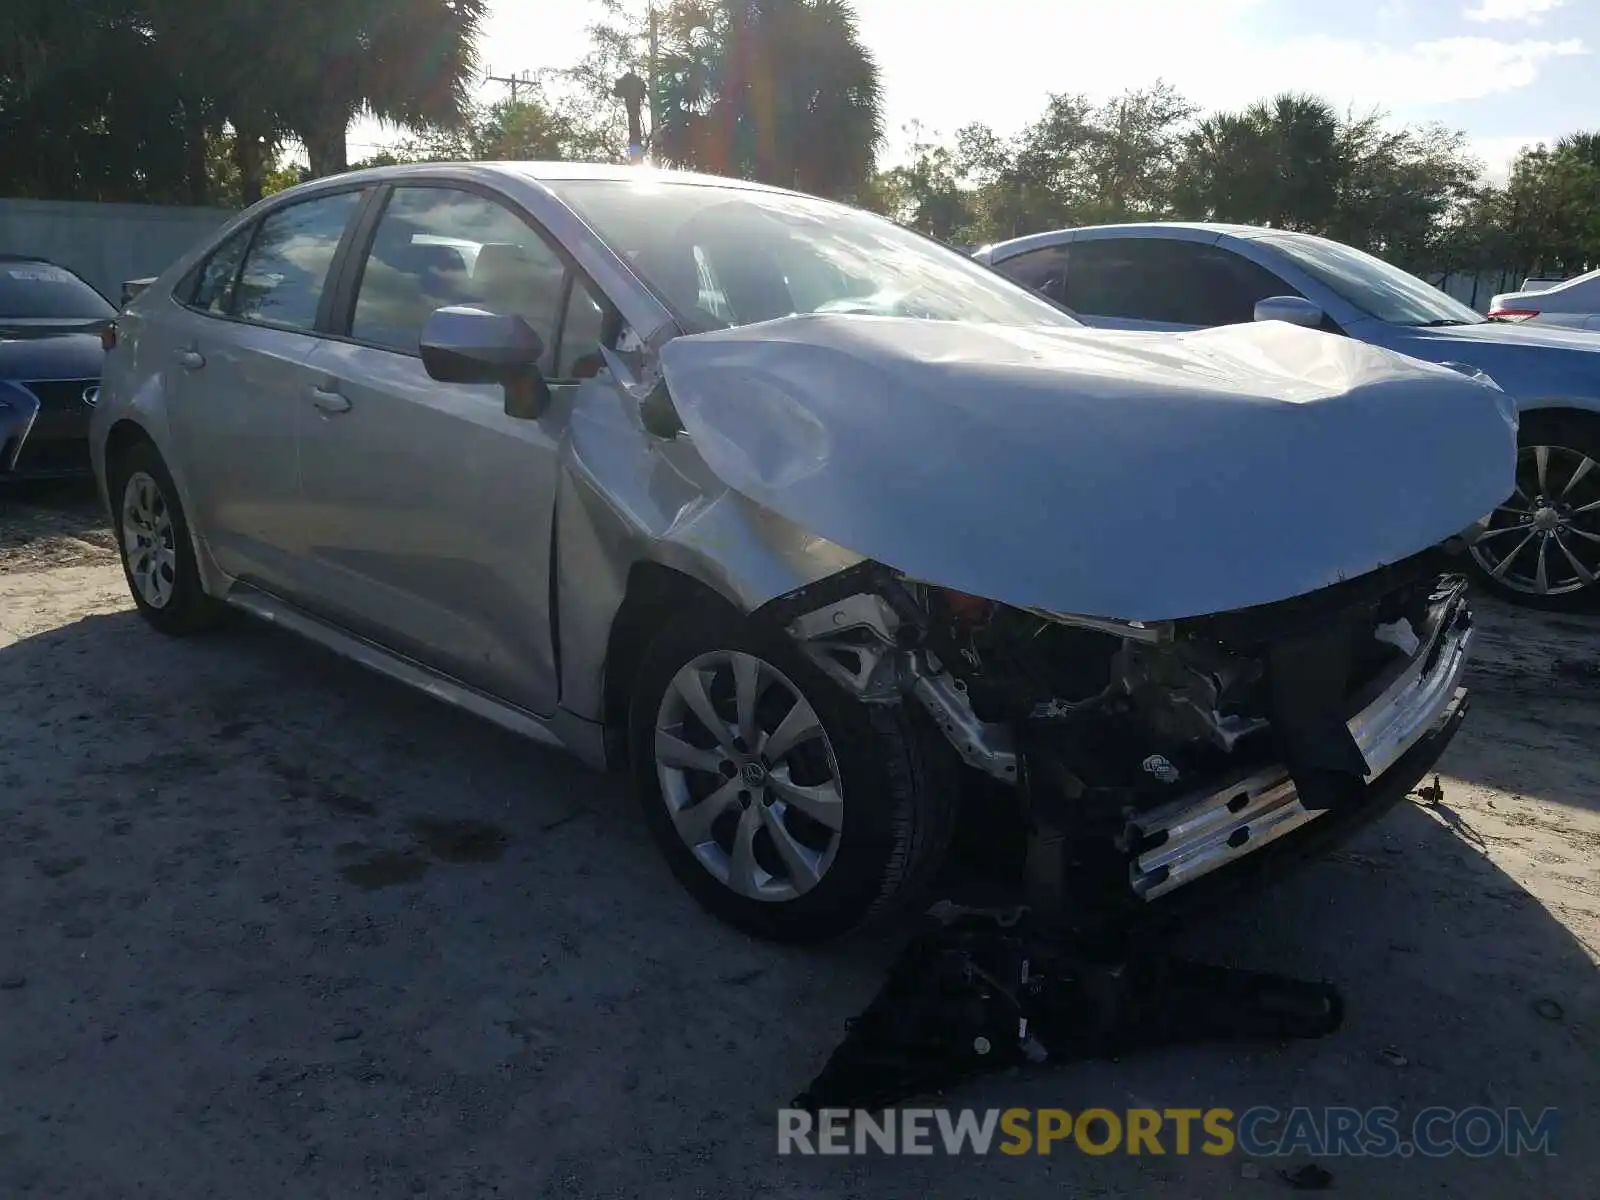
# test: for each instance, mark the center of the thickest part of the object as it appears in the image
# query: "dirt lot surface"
(270, 926)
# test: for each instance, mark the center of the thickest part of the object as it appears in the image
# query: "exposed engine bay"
(1147, 756)
(1156, 752)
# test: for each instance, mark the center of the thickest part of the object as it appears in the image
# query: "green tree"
(524, 129)
(1132, 157)
(1278, 162)
(87, 107)
(1547, 215)
(780, 91)
(925, 192)
(406, 61)
(1402, 192)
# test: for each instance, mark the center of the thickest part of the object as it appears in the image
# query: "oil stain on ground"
(384, 869)
(460, 841)
(450, 841)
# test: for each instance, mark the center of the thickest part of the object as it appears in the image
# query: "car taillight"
(108, 336)
(1512, 314)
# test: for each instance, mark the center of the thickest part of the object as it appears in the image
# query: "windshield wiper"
(1444, 321)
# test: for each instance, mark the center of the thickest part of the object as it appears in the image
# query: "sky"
(1508, 72)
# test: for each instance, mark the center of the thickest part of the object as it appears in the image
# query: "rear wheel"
(153, 537)
(784, 806)
(1541, 547)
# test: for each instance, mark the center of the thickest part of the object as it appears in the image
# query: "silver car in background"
(1541, 545)
(808, 522)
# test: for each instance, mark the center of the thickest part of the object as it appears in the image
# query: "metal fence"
(105, 243)
(1476, 288)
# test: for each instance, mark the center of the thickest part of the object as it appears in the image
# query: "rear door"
(428, 510)
(236, 346)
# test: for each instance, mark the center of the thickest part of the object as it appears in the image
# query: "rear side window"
(1044, 271)
(210, 288)
(1161, 279)
(287, 266)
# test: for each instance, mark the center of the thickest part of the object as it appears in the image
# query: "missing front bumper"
(1200, 833)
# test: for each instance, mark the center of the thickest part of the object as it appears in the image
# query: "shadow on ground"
(1535, 679)
(272, 926)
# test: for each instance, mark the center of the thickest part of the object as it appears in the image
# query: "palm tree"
(1227, 172)
(1303, 133)
(780, 91)
(406, 61)
(1583, 146)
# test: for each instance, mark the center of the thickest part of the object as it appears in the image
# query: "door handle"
(330, 400)
(191, 360)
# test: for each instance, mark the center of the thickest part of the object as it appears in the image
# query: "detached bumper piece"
(977, 995)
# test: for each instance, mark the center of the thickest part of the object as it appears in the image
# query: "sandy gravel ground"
(270, 926)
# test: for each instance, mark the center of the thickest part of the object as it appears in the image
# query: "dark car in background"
(51, 351)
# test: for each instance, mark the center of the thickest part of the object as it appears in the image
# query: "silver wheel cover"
(748, 776)
(1545, 539)
(149, 544)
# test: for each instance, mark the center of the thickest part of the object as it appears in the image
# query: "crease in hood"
(1131, 475)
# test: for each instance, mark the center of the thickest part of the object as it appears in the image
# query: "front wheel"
(784, 806)
(1541, 547)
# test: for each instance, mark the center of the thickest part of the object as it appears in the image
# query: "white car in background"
(1571, 303)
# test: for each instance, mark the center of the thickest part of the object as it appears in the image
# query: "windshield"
(1372, 285)
(43, 291)
(722, 256)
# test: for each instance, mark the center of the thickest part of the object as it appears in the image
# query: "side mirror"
(471, 345)
(1296, 310)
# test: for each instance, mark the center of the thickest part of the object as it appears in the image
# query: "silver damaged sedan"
(821, 530)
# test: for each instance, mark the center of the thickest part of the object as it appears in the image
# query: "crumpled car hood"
(1131, 475)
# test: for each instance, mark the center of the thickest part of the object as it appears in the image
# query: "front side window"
(1372, 285)
(435, 247)
(1167, 280)
(30, 289)
(725, 256)
(287, 266)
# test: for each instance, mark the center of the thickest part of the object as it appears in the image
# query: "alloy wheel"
(749, 776)
(149, 540)
(1545, 539)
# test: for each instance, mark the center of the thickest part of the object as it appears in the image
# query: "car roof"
(1586, 285)
(548, 172)
(1179, 226)
(1177, 230)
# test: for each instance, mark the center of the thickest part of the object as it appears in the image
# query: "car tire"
(155, 546)
(1562, 525)
(896, 779)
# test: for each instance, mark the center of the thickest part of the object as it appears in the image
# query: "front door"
(1163, 283)
(427, 510)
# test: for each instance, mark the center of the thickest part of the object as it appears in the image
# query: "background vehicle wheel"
(1541, 547)
(787, 808)
(153, 537)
